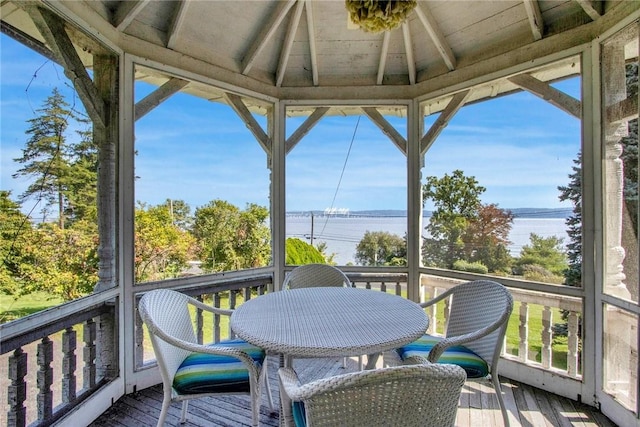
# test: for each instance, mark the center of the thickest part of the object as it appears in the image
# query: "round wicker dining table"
(329, 322)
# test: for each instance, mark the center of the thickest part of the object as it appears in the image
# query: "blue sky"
(519, 147)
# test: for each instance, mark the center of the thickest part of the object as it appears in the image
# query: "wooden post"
(17, 390)
(69, 344)
(45, 379)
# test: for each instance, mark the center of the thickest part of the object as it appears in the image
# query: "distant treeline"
(517, 213)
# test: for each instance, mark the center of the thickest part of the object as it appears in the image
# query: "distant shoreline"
(517, 213)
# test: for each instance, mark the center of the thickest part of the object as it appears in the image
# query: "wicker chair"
(476, 325)
(190, 370)
(423, 395)
(315, 275)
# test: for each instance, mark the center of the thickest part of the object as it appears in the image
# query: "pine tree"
(573, 193)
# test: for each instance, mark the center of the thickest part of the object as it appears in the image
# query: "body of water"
(342, 234)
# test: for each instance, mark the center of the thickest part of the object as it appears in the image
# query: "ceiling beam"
(383, 56)
(436, 35)
(386, 128)
(252, 124)
(51, 27)
(127, 12)
(177, 22)
(535, 18)
(312, 41)
(294, 22)
(550, 94)
(623, 111)
(408, 48)
(592, 8)
(265, 34)
(304, 128)
(156, 97)
(442, 121)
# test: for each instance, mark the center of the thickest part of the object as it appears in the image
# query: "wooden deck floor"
(528, 406)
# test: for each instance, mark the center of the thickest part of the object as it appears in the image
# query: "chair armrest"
(214, 310)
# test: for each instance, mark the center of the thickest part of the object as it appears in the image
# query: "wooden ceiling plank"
(408, 47)
(127, 12)
(252, 124)
(592, 8)
(265, 34)
(383, 56)
(550, 94)
(177, 22)
(288, 42)
(535, 18)
(386, 128)
(156, 97)
(312, 41)
(305, 127)
(442, 121)
(52, 29)
(437, 37)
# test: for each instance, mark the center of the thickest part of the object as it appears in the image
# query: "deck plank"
(478, 407)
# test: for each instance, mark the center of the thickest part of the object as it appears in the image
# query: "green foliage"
(15, 230)
(301, 253)
(543, 252)
(231, 239)
(471, 267)
(162, 249)
(381, 248)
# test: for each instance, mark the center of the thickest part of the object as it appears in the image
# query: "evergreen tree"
(573, 193)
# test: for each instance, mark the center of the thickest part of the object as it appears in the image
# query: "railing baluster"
(398, 288)
(199, 322)
(45, 379)
(17, 389)
(89, 354)
(383, 287)
(216, 317)
(547, 336)
(139, 338)
(523, 349)
(572, 341)
(69, 344)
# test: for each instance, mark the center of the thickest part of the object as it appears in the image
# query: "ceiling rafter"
(177, 22)
(437, 37)
(535, 18)
(265, 34)
(304, 128)
(294, 22)
(127, 12)
(408, 47)
(252, 124)
(458, 100)
(383, 56)
(544, 90)
(51, 27)
(386, 128)
(592, 8)
(156, 97)
(312, 41)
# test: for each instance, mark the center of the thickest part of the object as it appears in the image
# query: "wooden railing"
(31, 341)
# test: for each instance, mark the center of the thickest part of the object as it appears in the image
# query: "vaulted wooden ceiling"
(308, 49)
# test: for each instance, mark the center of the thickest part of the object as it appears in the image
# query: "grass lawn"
(11, 309)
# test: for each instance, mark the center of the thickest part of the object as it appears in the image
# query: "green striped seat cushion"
(299, 414)
(209, 373)
(459, 355)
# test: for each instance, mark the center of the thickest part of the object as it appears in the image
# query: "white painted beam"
(267, 31)
(127, 12)
(408, 47)
(383, 56)
(252, 124)
(550, 94)
(592, 8)
(304, 128)
(177, 22)
(312, 41)
(535, 18)
(156, 97)
(52, 29)
(442, 121)
(294, 22)
(436, 35)
(386, 128)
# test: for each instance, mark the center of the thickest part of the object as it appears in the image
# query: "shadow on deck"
(527, 406)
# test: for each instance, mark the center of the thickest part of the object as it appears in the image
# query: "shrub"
(471, 267)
